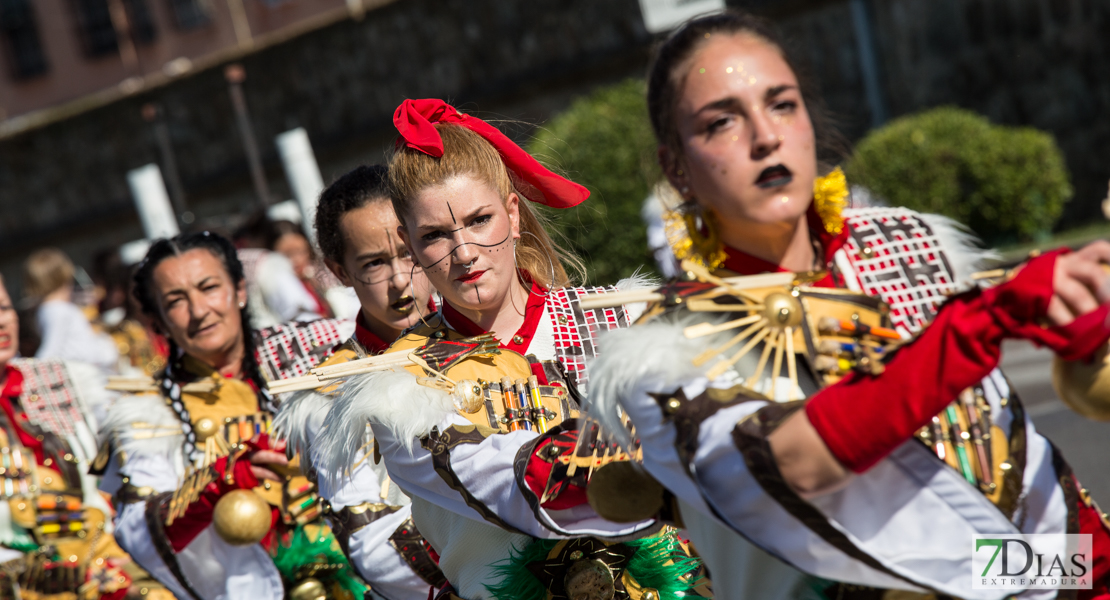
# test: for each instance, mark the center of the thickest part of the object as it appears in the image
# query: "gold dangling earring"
(683, 222)
(707, 247)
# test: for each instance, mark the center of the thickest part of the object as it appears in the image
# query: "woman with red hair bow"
(486, 464)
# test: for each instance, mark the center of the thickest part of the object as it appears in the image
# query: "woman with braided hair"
(205, 420)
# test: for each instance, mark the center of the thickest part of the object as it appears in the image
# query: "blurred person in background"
(372, 518)
(275, 291)
(53, 522)
(198, 432)
(289, 240)
(142, 349)
(64, 327)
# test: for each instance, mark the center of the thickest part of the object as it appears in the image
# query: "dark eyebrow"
(776, 90)
(369, 255)
(180, 291)
(733, 102)
(728, 102)
(474, 213)
(471, 215)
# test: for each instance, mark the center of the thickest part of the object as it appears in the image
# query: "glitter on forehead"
(728, 70)
(785, 199)
(707, 36)
(702, 70)
(751, 80)
(735, 138)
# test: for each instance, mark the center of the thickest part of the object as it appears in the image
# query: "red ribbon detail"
(415, 121)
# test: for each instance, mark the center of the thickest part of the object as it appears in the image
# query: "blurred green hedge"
(1008, 184)
(604, 142)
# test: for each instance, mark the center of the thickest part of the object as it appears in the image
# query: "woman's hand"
(261, 458)
(1080, 283)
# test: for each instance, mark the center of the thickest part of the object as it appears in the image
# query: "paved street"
(1085, 443)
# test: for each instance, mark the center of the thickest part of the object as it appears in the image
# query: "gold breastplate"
(492, 387)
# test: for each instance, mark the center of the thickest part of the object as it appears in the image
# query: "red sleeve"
(863, 418)
(199, 514)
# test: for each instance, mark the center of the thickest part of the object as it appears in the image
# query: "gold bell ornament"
(309, 589)
(242, 518)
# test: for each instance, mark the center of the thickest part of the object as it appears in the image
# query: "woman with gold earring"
(839, 408)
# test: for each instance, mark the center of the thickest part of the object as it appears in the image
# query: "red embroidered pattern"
(906, 267)
(576, 330)
(48, 397)
(292, 349)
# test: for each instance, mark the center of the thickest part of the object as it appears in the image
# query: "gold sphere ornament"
(622, 492)
(468, 396)
(242, 518)
(650, 594)
(309, 589)
(204, 429)
(782, 310)
(1083, 386)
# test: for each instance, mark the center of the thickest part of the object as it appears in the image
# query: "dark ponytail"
(173, 376)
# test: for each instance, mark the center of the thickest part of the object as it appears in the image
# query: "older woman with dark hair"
(205, 420)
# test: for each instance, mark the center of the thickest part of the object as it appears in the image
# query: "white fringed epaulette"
(300, 418)
(964, 250)
(655, 355)
(393, 400)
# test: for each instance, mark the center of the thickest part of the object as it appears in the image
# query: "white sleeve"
(369, 548)
(477, 477)
(380, 564)
(131, 531)
(905, 523)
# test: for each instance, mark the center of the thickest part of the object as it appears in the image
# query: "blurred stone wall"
(65, 184)
(1041, 63)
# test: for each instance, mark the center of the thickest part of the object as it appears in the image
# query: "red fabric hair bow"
(415, 121)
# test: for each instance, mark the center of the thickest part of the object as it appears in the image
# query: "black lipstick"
(773, 177)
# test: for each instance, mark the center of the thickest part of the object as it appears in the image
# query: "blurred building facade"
(62, 51)
(338, 68)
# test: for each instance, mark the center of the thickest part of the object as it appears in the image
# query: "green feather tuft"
(517, 582)
(296, 558)
(647, 566)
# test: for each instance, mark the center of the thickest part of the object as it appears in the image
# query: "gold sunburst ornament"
(830, 198)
